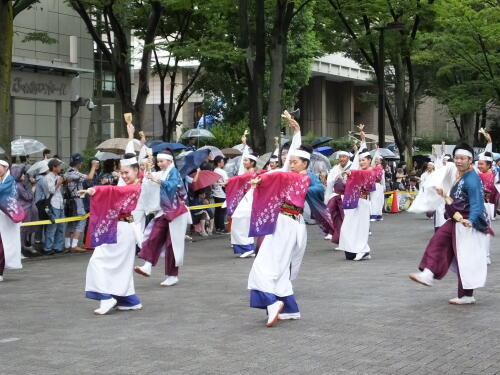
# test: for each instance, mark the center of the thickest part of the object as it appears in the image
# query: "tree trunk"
(161, 106)
(399, 100)
(6, 37)
(468, 126)
(274, 106)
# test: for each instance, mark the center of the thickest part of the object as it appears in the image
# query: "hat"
(54, 163)
(75, 159)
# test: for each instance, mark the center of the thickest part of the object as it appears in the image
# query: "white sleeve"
(241, 168)
(130, 149)
(489, 147)
(296, 142)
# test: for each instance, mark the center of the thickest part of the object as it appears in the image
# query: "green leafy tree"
(355, 30)
(110, 23)
(460, 59)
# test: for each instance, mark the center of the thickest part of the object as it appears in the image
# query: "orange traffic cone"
(395, 205)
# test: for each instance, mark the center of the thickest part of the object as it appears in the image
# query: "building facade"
(48, 77)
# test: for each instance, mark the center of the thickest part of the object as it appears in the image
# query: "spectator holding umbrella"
(25, 197)
(75, 207)
(219, 194)
(54, 233)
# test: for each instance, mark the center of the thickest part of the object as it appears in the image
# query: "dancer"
(488, 177)
(11, 214)
(166, 232)
(461, 243)
(334, 192)
(242, 244)
(114, 236)
(355, 228)
(377, 197)
(277, 215)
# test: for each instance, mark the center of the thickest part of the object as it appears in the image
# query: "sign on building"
(44, 86)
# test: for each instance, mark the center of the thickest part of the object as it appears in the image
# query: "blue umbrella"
(163, 145)
(153, 143)
(191, 161)
(325, 150)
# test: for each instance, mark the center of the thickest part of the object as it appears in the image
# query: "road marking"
(9, 339)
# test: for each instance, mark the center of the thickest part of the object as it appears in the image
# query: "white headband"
(463, 152)
(364, 155)
(430, 163)
(128, 162)
(274, 159)
(301, 154)
(251, 157)
(485, 158)
(340, 153)
(164, 157)
(446, 157)
(4, 163)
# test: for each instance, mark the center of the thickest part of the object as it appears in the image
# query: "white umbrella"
(39, 167)
(240, 147)
(214, 151)
(2, 151)
(100, 155)
(385, 153)
(319, 163)
(26, 146)
(197, 133)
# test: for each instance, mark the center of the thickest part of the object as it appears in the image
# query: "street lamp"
(393, 26)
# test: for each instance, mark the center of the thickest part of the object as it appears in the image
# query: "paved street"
(358, 317)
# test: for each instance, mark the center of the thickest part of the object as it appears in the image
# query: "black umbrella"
(320, 141)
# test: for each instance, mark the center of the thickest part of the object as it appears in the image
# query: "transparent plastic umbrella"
(36, 168)
(2, 151)
(26, 146)
(197, 133)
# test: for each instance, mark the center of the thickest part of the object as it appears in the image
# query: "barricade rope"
(78, 218)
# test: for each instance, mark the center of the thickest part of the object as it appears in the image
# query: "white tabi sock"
(428, 273)
(67, 242)
(74, 242)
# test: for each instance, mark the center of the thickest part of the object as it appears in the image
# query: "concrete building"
(46, 78)
(331, 104)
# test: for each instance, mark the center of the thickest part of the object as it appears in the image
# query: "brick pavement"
(358, 318)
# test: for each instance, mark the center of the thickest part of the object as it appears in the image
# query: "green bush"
(228, 135)
(424, 144)
(344, 143)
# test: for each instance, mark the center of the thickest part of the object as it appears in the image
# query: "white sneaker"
(144, 270)
(328, 237)
(462, 301)
(425, 277)
(273, 312)
(203, 234)
(1, 278)
(338, 249)
(373, 220)
(170, 281)
(106, 306)
(248, 254)
(362, 256)
(127, 308)
(289, 316)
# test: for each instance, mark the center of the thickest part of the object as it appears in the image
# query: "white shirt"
(217, 190)
(57, 198)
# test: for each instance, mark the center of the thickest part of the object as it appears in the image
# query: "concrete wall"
(36, 118)
(333, 108)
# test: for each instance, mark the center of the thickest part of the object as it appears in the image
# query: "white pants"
(279, 258)
(355, 229)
